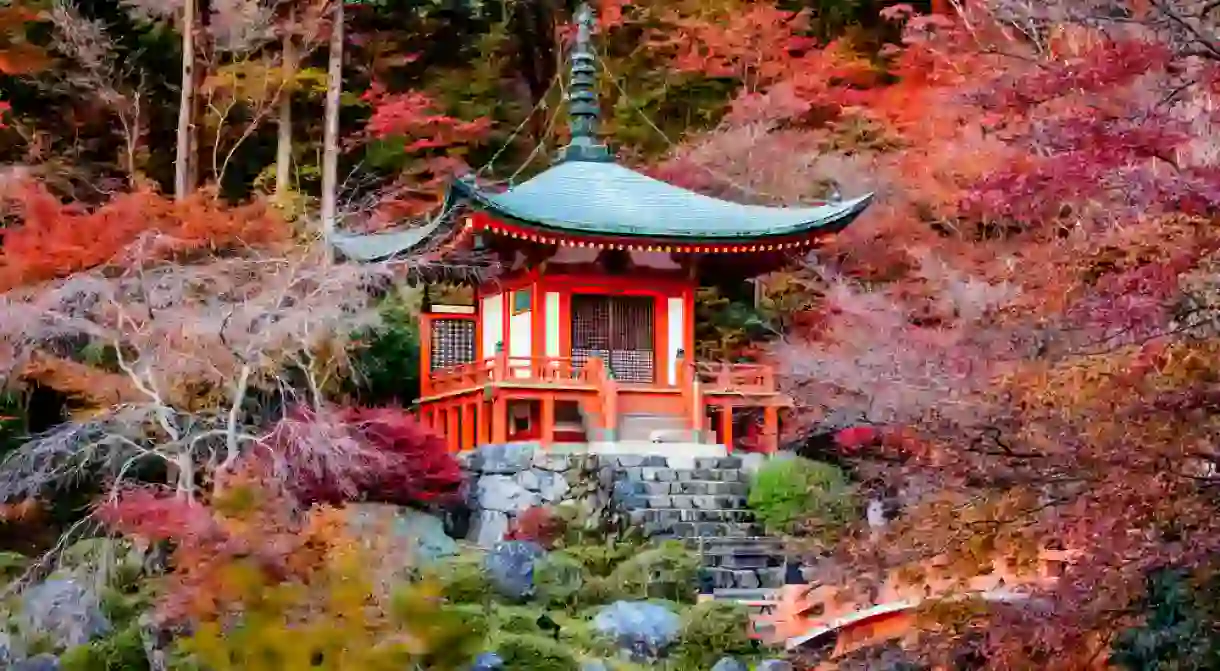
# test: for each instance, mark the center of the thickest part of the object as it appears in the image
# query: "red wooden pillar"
(483, 426)
(548, 421)
(452, 435)
(726, 426)
(499, 420)
(468, 422)
(770, 435)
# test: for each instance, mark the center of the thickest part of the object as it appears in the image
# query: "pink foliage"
(361, 454)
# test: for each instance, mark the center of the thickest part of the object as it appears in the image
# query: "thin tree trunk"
(283, 149)
(185, 157)
(330, 139)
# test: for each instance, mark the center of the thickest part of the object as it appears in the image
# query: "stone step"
(675, 515)
(684, 530)
(691, 501)
(762, 578)
(740, 594)
(662, 461)
(743, 561)
(664, 474)
(712, 544)
(680, 488)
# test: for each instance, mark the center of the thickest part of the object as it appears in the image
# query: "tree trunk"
(330, 139)
(283, 149)
(185, 157)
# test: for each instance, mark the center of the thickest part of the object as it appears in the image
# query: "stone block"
(745, 561)
(745, 579)
(666, 475)
(488, 528)
(552, 486)
(660, 502)
(730, 664)
(505, 494)
(549, 461)
(774, 665)
(630, 460)
(655, 460)
(528, 479)
(502, 459)
(654, 488)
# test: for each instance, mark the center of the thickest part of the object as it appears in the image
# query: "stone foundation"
(504, 481)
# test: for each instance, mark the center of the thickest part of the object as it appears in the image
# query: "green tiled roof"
(603, 198)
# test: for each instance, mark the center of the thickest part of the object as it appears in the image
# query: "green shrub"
(515, 619)
(121, 651)
(558, 579)
(532, 652)
(668, 571)
(462, 579)
(711, 630)
(600, 559)
(788, 493)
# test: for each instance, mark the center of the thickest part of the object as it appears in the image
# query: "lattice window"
(617, 328)
(452, 342)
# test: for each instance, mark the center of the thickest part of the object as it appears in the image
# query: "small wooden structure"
(591, 322)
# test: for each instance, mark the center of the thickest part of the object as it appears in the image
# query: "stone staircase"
(654, 428)
(701, 502)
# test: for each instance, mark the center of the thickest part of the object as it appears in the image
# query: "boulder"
(505, 494)
(730, 664)
(774, 665)
(489, 528)
(510, 567)
(38, 663)
(65, 610)
(642, 630)
(488, 661)
(418, 536)
(503, 459)
(552, 486)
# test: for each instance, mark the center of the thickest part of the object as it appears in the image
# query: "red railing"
(503, 368)
(745, 378)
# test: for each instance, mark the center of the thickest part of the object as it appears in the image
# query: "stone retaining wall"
(504, 481)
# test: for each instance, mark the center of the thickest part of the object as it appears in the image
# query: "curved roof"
(605, 198)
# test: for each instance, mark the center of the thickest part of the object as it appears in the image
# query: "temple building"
(586, 334)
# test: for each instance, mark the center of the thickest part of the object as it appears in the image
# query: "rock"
(510, 567)
(730, 664)
(528, 480)
(503, 459)
(488, 661)
(38, 663)
(549, 461)
(489, 528)
(593, 665)
(8, 651)
(774, 665)
(505, 494)
(418, 537)
(64, 610)
(640, 628)
(552, 486)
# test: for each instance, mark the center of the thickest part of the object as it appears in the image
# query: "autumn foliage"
(54, 239)
(381, 455)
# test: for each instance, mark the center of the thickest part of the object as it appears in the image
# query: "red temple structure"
(586, 335)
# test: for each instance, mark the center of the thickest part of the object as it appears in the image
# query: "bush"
(558, 579)
(668, 571)
(788, 492)
(711, 630)
(462, 579)
(600, 559)
(532, 652)
(121, 651)
(540, 525)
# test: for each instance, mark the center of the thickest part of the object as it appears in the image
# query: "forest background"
(1021, 334)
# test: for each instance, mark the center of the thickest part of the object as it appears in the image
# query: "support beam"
(483, 423)
(726, 426)
(770, 433)
(499, 420)
(468, 424)
(452, 435)
(548, 422)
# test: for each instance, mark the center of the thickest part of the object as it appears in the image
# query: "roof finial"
(582, 96)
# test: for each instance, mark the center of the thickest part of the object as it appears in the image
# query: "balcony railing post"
(499, 371)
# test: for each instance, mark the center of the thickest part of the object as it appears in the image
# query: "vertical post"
(770, 437)
(499, 371)
(483, 427)
(610, 405)
(548, 421)
(726, 426)
(452, 432)
(468, 421)
(499, 419)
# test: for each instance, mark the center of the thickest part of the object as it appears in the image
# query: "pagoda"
(586, 335)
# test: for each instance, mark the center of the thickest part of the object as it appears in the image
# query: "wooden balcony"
(468, 403)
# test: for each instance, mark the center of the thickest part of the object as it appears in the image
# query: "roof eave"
(834, 224)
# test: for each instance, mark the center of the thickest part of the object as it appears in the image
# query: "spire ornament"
(583, 108)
